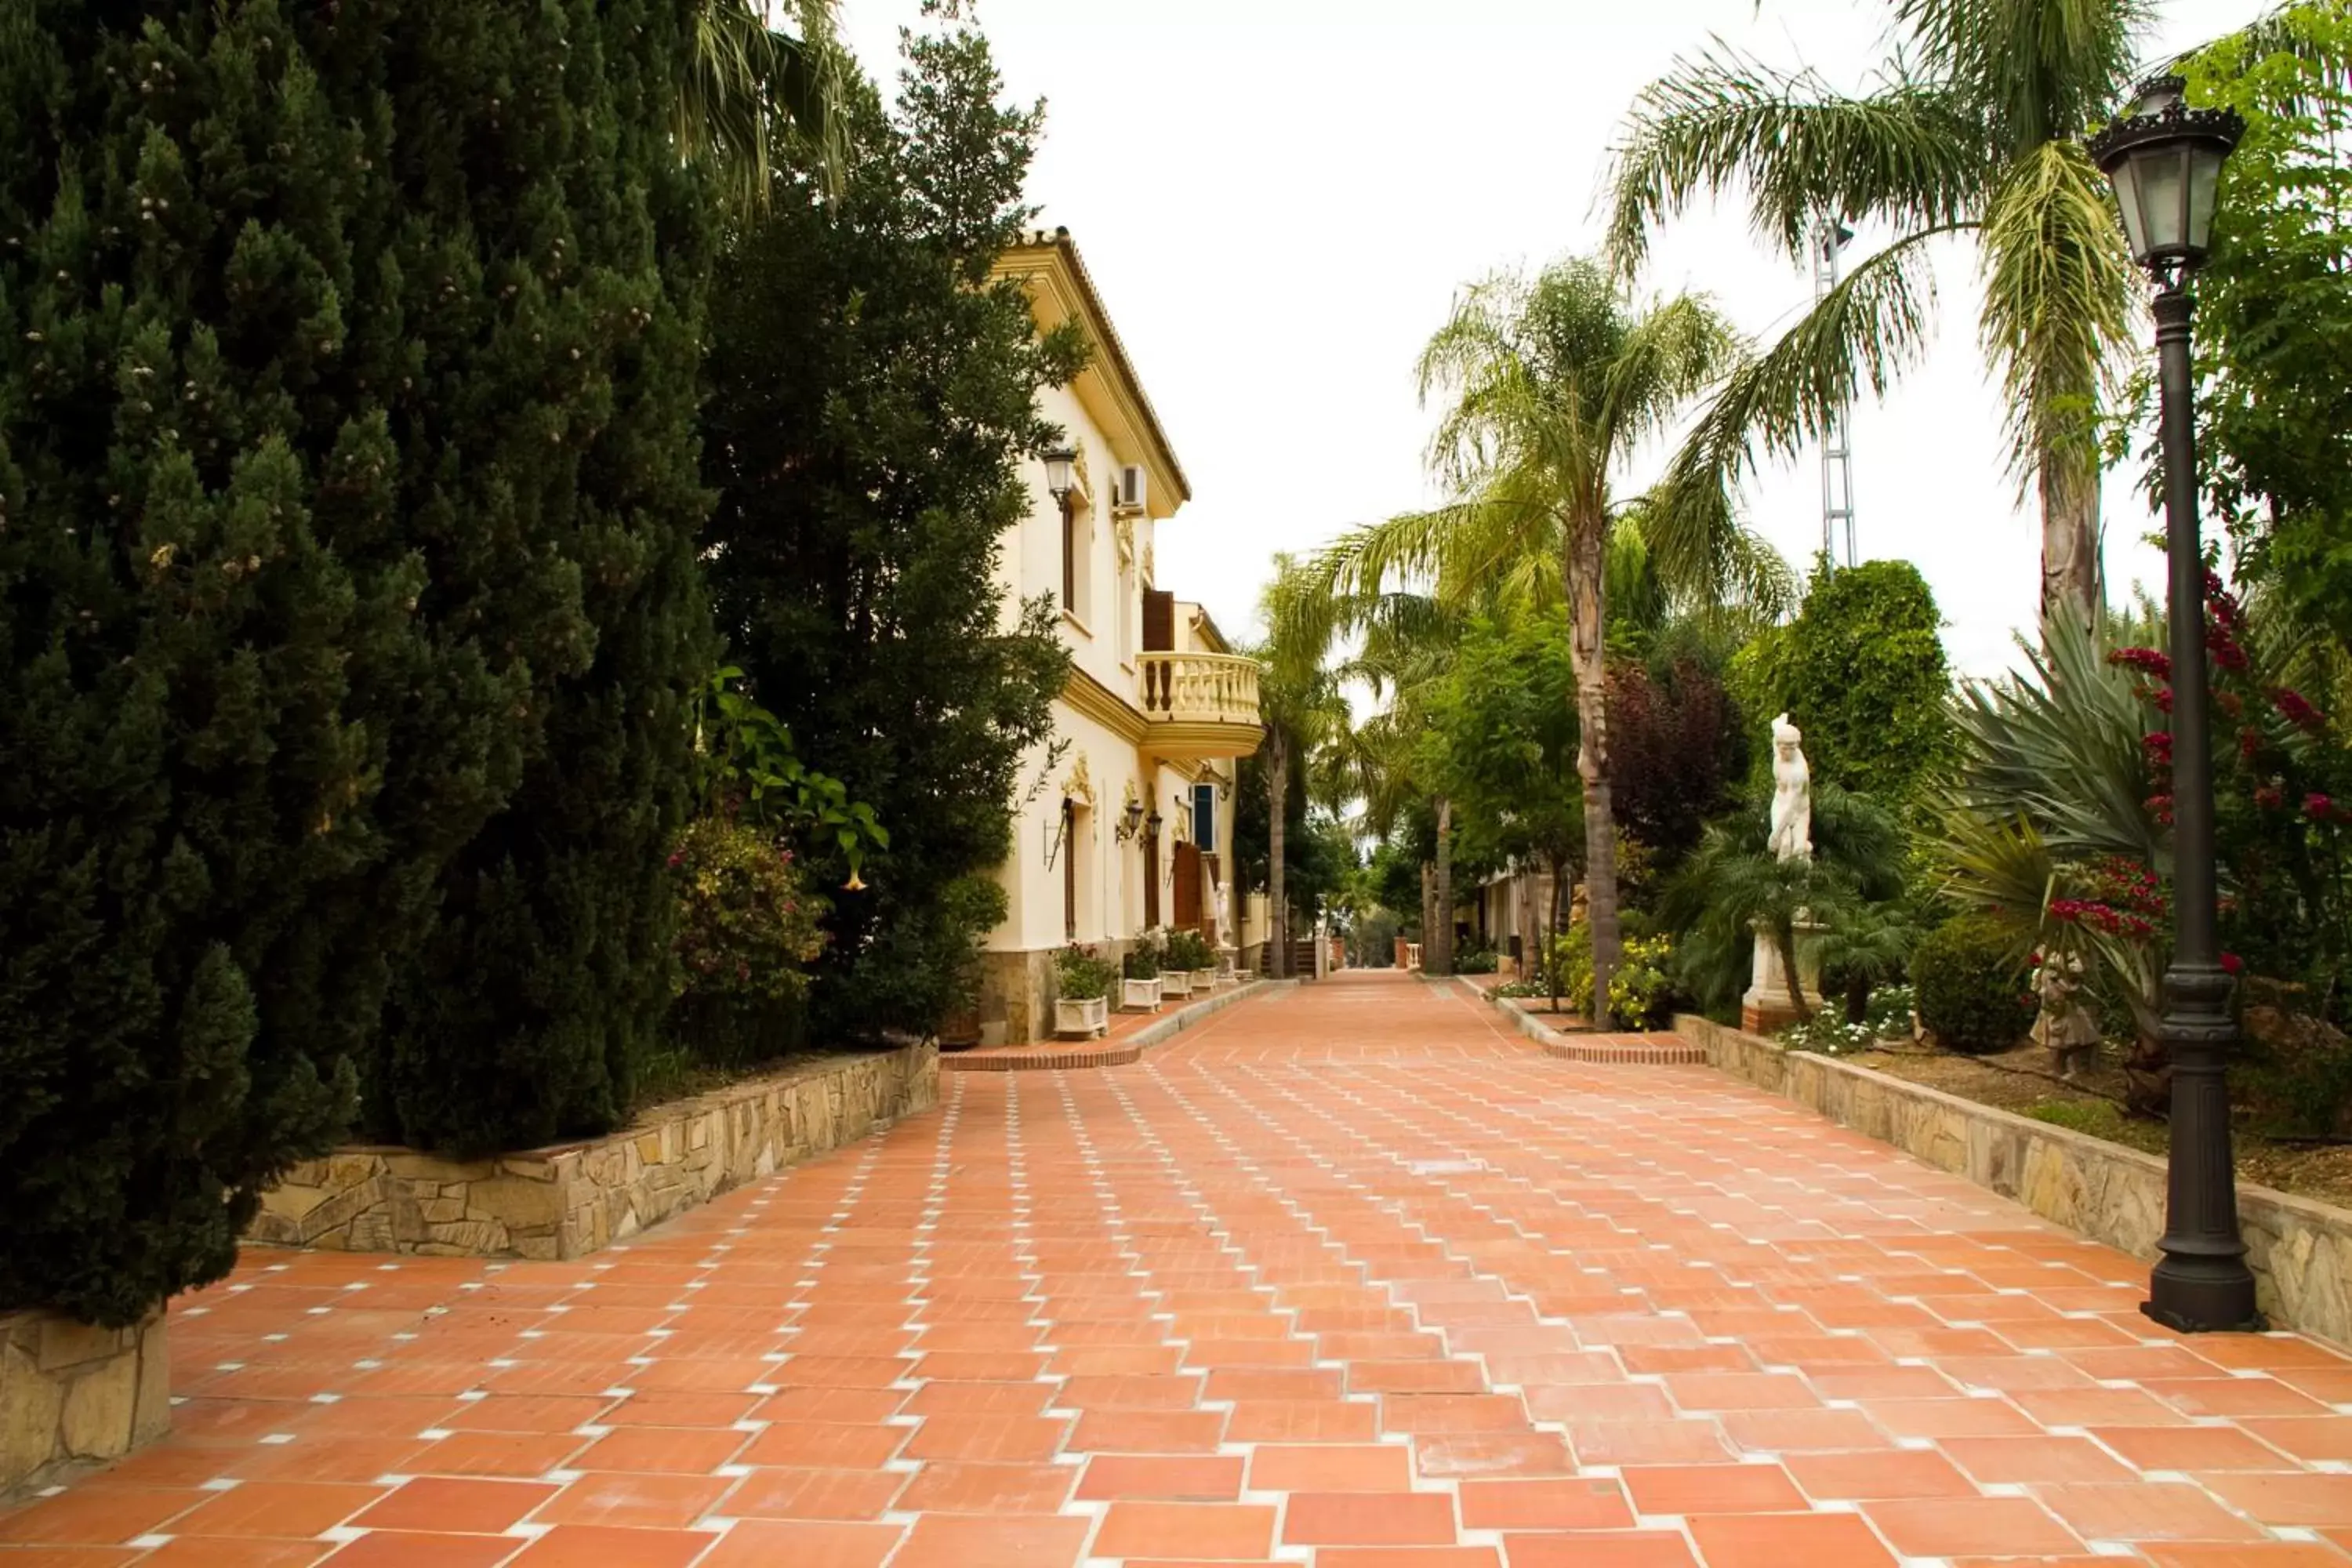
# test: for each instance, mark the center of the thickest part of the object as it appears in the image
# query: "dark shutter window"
(1159, 621)
(1204, 817)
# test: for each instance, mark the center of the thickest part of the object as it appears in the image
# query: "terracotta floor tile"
(956, 1487)
(1585, 1503)
(526, 1412)
(664, 1408)
(2012, 1460)
(1174, 1479)
(1331, 1467)
(825, 1444)
(233, 1552)
(1646, 1443)
(2277, 1499)
(1784, 1539)
(601, 1546)
(1492, 1454)
(1200, 1530)
(2278, 1554)
(1004, 1541)
(1163, 1431)
(1951, 1418)
(635, 1500)
(1992, 1526)
(2146, 1511)
(2189, 1448)
(814, 1494)
(998, 1438)
(1616, 1549)
(421, 1549)
(1711, 1488)
(442, 1503)
(1367, 1518)
(770, 1544)
(1877, 1474)
(95, 1517)
(682, 1450)
(2307, 1438)
(518, 1454)
(1406, 1557)
(277, 1507)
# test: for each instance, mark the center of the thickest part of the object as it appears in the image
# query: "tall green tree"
(1861, 672)
(872, 400)
(1551, 384)
(1972, 129)
(1303, 710)
(346, 460)
(2274, 318)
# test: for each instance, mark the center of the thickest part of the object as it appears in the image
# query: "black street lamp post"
(2165, 160)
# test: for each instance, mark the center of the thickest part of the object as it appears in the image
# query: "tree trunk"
(1444, 946)
(1552, 929)
(1587, 656)
(2069, 537)
(1277, 904)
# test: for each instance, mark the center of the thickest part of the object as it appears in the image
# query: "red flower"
(2146, 658)
(2296, 710)
(2317, 806)
(2231, 963)
(2225, 650)
(2228, 703)
(675, 861)
(2159, 807)
(2250, 740)
(2162, 698)
(2158, 744)
(2270, 797)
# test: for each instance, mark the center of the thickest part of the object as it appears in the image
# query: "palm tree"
(1301, 706)
(1971, 129)
(1554, 383)
(746, 82)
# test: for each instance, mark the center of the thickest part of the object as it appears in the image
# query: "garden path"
(1347, 1276)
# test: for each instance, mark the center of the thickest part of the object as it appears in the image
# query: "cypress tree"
(871, 398)
(346, 483)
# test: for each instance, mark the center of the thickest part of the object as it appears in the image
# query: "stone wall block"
(96, 1419)
(30, 1404)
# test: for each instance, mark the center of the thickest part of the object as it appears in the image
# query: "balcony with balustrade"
(1200, 704)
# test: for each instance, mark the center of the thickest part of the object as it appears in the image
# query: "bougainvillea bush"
(2061, 824)
(748, 928)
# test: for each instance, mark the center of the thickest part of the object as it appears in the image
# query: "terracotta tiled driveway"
(1345, 1277)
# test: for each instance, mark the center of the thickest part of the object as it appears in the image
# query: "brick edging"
(1670, 1050)
(1074, 1054)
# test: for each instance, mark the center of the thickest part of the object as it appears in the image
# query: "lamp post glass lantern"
(2165, 161)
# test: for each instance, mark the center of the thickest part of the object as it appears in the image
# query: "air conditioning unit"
(1131, 487)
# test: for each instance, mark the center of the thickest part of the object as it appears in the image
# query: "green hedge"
(1972, 985)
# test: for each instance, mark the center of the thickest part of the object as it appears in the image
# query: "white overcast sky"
(1277, 199)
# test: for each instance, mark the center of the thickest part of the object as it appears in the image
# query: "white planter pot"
(1204, 980)
(1081, 1019)
(1176, 982)
(1138, 995)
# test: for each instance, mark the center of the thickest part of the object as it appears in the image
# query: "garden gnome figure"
(1792, 794)
(2066, 1027)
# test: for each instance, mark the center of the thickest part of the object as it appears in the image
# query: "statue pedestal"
(1768, 1005)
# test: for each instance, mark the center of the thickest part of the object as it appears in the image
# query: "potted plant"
(1139, 986)
(1188, 951)
(1082, 992)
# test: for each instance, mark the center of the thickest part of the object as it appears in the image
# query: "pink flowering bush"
(748, 928)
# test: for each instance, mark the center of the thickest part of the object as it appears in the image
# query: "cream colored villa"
(1126, 824)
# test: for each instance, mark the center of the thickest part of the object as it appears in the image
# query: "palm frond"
(745, 82)
(2034, 70)
(1911, 153)
(2059, 285)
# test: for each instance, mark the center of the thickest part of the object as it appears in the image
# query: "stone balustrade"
(1199, 687)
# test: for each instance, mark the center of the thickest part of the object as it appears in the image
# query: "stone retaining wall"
(2300, 1249)
(571, 1199)
(69, 1392)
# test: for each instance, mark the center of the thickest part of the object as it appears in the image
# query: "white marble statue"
(1793, 796)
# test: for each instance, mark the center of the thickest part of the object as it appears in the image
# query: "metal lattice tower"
(1830, 240)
